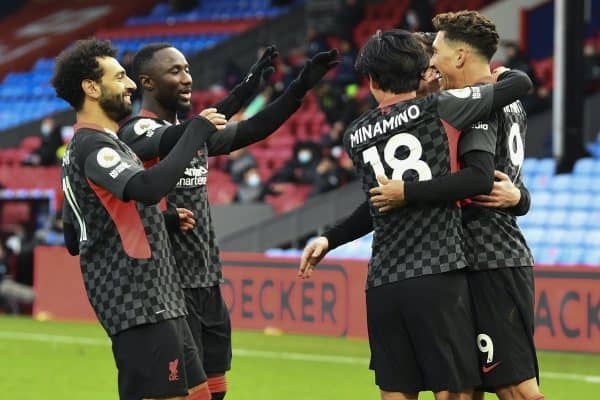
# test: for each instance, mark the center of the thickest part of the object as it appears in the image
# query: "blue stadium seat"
(570, 255)
(592, 238)
(537, 217)
(546, 166)
(546, 255)
(582, 201)
(591, 257)
(587, 167)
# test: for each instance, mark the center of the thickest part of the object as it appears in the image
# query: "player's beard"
(172, 103)
(114, 105)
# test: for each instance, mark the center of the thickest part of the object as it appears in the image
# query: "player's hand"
(314, 69)
(504, 193)
(313, 253)
(186, 219)
(215, 118)
(388, 195)
(262, 69)
(497, 72)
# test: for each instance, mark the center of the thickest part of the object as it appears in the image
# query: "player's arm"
(149, 139)
(347, 229)
(505, 194)
(243, 91)
(69, 232)
(112, 170)
(476, 150)
(356, 225)
(460, 108)
(275, 114)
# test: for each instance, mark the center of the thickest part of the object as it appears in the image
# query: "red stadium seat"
(292, 196)
(30, 143)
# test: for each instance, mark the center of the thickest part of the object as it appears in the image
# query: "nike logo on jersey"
(487, 370)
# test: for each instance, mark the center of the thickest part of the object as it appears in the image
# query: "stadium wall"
(265, 294)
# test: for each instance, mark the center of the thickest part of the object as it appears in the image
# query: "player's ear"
(373, 85)
(461, 55)
(146, 82)
(91, 88)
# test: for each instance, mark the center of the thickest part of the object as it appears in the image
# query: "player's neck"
(151, 104)
(477, 72)
(388, 98)
(93, 116)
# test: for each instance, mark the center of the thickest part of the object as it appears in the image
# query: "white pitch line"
(272, 355)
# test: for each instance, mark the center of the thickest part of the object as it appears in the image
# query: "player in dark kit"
(500, 274)
(427, 347)
(112, 222)
(500, 262)
(166, 83)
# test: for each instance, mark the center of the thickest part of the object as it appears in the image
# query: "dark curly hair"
(76, 64)
(470, 27)
(394, 59)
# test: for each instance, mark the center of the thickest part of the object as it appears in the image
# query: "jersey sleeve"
(481, 135)
(462, 107)
(109, 167)
(221, 142)
(143, 135)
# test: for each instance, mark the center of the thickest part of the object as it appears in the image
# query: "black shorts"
(209, 321)
(503, 311)
(157, 360)
(421, 334)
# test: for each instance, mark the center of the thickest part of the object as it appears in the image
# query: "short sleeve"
(111, 169)
(462, 107)
(481, 136)
(220, 142)
(143, 135)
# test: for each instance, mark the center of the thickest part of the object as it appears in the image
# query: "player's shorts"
(421, 334)
(209, 321)
(157, 360)
(503, 311)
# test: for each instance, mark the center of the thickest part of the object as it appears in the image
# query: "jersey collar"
(396, 99)
(150, 114)
(95, 127)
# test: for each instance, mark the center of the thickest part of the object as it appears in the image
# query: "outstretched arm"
(275, 114)
(356, 225)
(243, 91)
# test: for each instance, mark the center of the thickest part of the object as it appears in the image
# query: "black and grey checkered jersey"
(492, 237)
(415, 140)
(196, 251)
(126, 260)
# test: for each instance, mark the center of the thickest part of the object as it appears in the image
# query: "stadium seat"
(587, 167)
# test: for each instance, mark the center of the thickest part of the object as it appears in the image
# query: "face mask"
(45, 129)
(304, 156)
(253, 180)
(336, 152)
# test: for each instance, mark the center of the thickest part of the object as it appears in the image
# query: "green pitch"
(53, 360)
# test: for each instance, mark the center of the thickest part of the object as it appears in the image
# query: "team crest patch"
(145, 125)
(107, 157)
(460, 93)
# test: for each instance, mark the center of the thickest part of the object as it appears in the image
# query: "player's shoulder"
(140, 125)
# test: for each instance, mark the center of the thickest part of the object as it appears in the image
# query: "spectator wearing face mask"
(51, 141)
(251, 189)
(307, 166)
